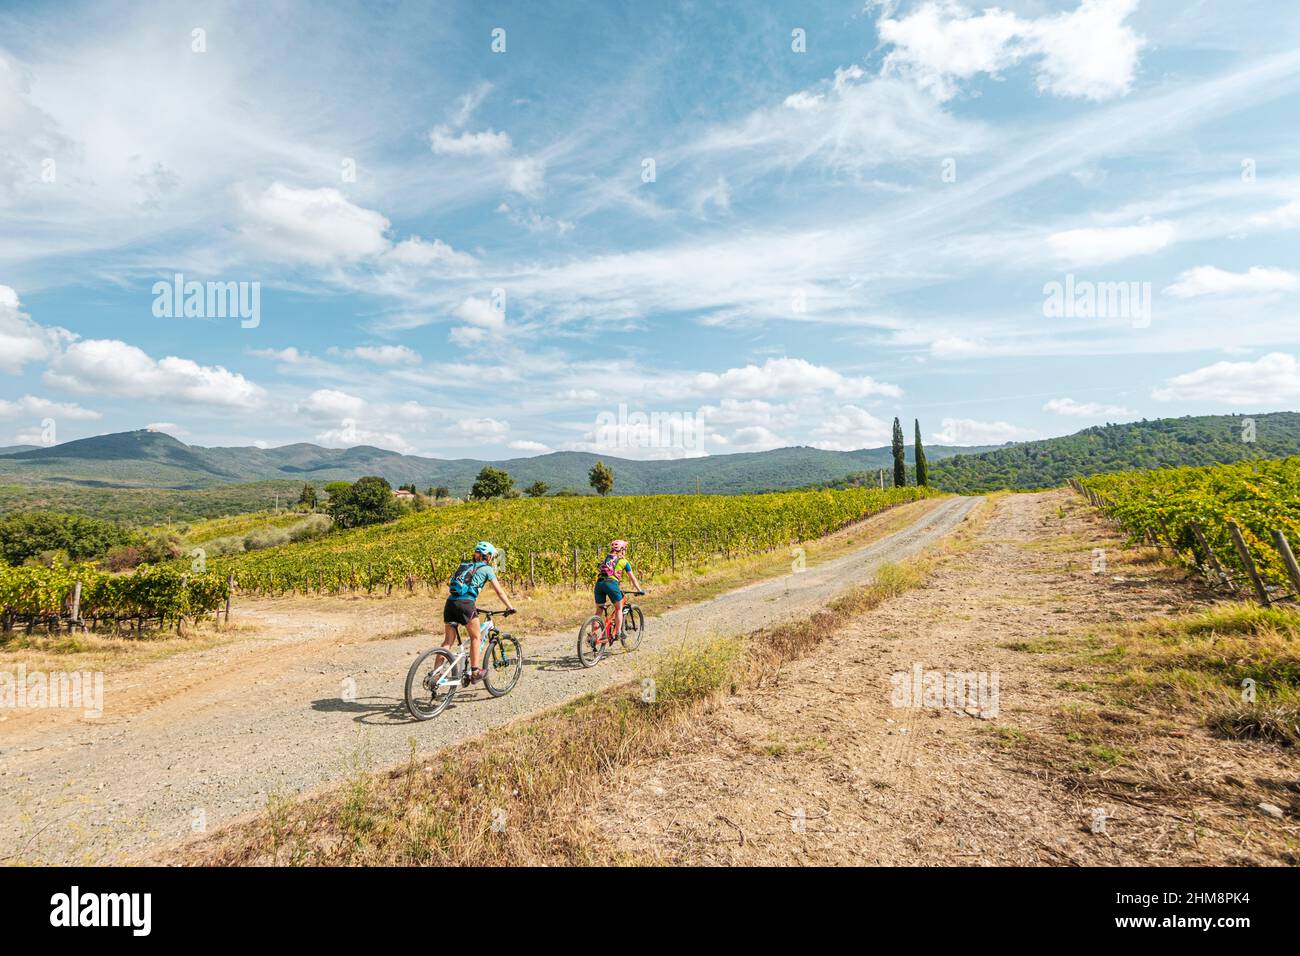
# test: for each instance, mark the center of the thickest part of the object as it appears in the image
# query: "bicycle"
(597, 632)
(438, 674)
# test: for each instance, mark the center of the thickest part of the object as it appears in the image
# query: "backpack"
(608, 568)
(459, 585)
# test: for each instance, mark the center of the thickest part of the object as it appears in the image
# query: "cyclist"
(462, 600)
(608, 577)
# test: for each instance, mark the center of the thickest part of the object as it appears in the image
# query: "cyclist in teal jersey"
(462, 601)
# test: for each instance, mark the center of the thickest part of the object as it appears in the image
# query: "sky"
(493, 230)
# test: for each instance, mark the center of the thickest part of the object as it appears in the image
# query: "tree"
(367, 501)
(308, 497)
(442, 491)
(900, 463)
(491, 483)
(408, 487)
(922, 469)
(336, 488)
(537, 489)
(601, 478)
(30, 533)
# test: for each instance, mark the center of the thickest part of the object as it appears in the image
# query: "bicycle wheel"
(633, 629)
(427, 695)
(590, 648)
(503, 665)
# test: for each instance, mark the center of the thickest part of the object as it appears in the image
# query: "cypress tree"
(900, 463)
(922, 469)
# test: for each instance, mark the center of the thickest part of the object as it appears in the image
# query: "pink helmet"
(618, 544)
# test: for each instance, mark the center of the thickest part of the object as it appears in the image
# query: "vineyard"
(83, 597)
(1194, 511)
(556, 541)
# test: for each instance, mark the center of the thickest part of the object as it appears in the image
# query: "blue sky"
(786, 223)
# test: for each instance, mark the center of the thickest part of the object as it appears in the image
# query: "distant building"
(403, 494)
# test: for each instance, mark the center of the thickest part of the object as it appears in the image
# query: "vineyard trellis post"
(1248, 563)
(575, 567)
(1213, 558)
(532, 570)
(75, 613)
(230, 588)
(1292, 569)
(672, 553)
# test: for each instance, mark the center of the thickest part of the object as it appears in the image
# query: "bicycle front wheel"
(429, 684)
(503, 665)
(633, 629)
(590, 641)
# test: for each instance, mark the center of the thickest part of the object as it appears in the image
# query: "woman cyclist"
(608, 577)
(462, 601)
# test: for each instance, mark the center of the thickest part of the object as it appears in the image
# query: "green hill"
(141, 459)
(1160, 443)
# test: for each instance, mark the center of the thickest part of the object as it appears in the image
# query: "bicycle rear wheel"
(503, 665)
(633, 628)
(590, 648)
(427, 693)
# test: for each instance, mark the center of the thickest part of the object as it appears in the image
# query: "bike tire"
(589, 655)
(422, 702)
(500, 681)
(633, 629)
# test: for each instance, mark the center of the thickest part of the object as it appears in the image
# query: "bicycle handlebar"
(504, 612)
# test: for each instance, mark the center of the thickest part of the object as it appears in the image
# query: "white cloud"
(21, 339)
(533, 446)
(1107, 244)
(417, 252)
(380, 354)
(1284, 217)
(112, 367)
(486, 429)
(968, 431)
(1209, 280)
(170, 428)
(1089, 53)
(327, 404)
(527, 176)
(29, 406)
(447, 142)
(1269, 381)
(787, 378)
(1073, 409)
(850, 123)
(847, 427)
(317, 226)
(349, 434)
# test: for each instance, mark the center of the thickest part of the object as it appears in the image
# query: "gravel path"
(197, 739)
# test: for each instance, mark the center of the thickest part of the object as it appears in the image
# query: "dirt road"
(825, 766)
(194, 740)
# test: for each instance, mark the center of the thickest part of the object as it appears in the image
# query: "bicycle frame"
(455, 673)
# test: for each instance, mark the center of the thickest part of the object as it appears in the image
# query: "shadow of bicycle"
(379, 711)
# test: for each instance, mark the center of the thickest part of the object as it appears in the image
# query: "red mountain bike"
(600, 631)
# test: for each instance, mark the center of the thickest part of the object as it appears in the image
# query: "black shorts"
(459, 612)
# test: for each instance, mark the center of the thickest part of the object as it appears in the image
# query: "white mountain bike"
(438, 674)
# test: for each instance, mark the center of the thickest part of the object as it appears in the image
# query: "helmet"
(618, 544)
(485, 548)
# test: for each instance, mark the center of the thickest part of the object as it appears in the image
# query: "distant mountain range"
(145, 458)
